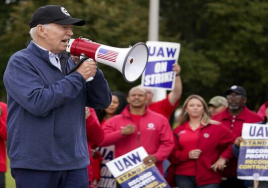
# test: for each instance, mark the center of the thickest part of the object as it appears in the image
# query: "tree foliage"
(230, 36)
(114, 23)
(222, 42)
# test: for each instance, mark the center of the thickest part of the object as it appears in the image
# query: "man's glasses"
(234, 96)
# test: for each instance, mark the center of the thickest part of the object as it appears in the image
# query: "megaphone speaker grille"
(135, 62)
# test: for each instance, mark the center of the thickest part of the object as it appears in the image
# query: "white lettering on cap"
(65, 11)
(233, 87)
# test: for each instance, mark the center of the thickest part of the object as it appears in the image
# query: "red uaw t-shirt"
(136, 118)
(188, 140)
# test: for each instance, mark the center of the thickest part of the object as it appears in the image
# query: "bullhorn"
(131, 61)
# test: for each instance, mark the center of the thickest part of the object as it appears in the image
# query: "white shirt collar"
(49, 52)
(52, 57)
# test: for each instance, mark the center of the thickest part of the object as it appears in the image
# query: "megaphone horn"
(131, 61)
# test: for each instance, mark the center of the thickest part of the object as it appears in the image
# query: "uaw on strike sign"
(253, 154)
(130, 172)
(158, 72)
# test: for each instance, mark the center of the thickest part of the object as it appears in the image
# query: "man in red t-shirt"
(233, 118)
(167, 106)
(138, 126)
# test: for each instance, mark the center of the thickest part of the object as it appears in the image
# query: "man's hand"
(75, 59)
(176, 92)
(127, 130)
(176, 67)
(238, 141)
(220, 164)
(195, 153)
(94, 153)
(88, 69)
(150, 159)
(87, 111)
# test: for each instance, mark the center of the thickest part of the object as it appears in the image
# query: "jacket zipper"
(139, 132)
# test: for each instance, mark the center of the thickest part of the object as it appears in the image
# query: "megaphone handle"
(82, 59)
(77, 65)
(90, 78)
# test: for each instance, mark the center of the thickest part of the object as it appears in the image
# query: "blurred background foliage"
(223, 42)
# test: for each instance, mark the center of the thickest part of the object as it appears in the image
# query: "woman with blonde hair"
(202, 147)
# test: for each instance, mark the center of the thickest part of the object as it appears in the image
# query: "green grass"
(10, 182)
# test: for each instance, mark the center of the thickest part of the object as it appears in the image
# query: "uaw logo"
(150, 126)
(256, 176)
(65, 11)
(206, 135)
(182, 132)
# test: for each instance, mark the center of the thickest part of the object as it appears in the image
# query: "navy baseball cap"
(54, 14)
(237, 89)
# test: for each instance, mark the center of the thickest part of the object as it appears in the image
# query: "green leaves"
(222, 42)
(229, 37)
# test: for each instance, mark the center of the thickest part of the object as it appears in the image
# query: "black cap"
(237, 89)
(54, 14)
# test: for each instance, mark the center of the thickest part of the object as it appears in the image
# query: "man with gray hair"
(47, 143)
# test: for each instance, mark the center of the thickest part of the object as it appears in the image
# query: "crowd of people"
(56, 121)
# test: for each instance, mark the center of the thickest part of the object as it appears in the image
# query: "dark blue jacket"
(46, 111)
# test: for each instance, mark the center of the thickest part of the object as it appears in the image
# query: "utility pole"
(153, 36)
(154, 20)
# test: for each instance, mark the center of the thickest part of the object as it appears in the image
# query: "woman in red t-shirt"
(202, 149)
(119, 102)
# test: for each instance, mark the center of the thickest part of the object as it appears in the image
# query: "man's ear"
(245, 100)
(40, 30)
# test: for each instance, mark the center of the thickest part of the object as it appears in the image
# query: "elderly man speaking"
(47, 143)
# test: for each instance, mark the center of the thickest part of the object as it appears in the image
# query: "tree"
(223, 42)
(5, 10)
(230, 36)
(114, 23)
